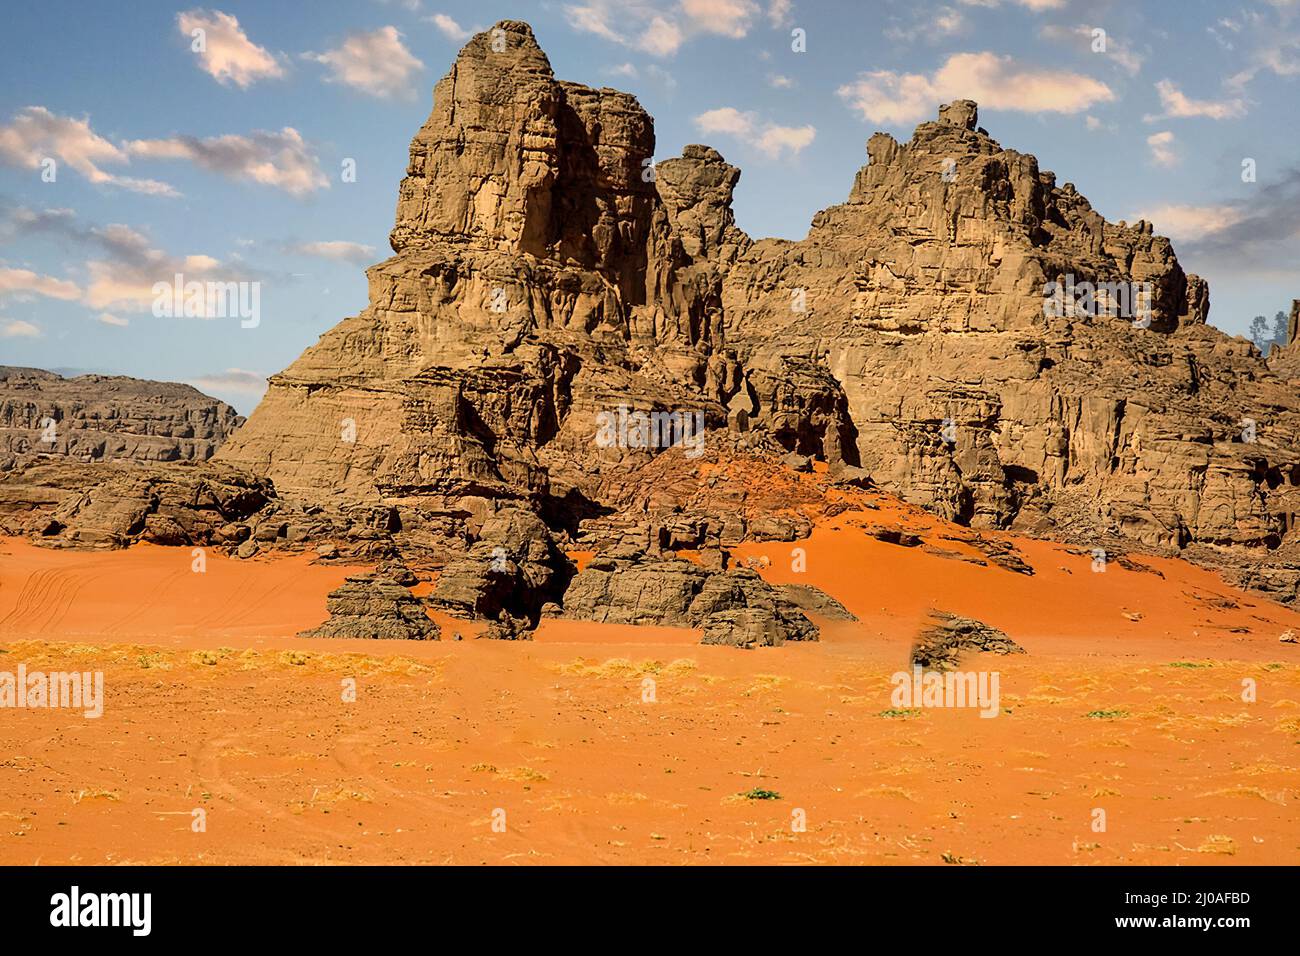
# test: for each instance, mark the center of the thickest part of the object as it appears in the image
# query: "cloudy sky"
(127, 155)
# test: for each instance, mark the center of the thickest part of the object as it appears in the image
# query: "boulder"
(374, 606)
(948, 638)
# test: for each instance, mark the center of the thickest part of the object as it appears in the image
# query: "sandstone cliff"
(107, 418)
(545, 274)
(925, 301)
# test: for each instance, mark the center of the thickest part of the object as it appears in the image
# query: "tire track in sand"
(207, 768)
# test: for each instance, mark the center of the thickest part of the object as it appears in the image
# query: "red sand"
(214, 704)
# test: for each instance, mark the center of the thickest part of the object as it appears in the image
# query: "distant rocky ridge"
(95, 418)
(546, 272)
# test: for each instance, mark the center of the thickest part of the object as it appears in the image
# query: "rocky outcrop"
(813, 600)
(513, 568)
(1284, 359)
(374, 606)
(948, 638)
(976, 396)
(69, 504)
(570, 329)
(541, 281)
(74, 504)
(507, 627)
(96, 418)
(733, 607)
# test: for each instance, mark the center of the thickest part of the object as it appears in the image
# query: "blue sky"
(227, 162)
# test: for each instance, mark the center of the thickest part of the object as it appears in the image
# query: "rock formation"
(948, 638)
(975, 397)
(816, 601)
(542, 277)
(576, 347)
(545, 273)
(733, 607)
(510, 572)
(107, 418)
(375, 606)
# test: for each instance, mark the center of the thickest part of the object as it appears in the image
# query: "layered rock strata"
(95, 418)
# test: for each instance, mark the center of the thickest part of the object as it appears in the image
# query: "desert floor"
(1128, 701)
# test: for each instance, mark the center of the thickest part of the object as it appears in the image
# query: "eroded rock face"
(816, 601)
(733, 607)
(373, 606)
(540, 280)
(925, 302)
(107, 418)
(947, 639)
(545, 275)
(84, 505)
(509, 573)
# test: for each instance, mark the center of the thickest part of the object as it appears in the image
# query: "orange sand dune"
(154, 592)
(1064, 607)
(609, 744)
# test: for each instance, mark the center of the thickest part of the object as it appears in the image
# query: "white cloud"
(338, 250)
(1085, 39)
(948, 22)
(728, 18)
(774, 140)
(120, 274)
(1178, 106)
(780, 13)
(130, 288)
(282, 160)
(660, 28)
(109, 318)
(1189, 222)
(779, 82)
(1037, 6)
(36, 134)
(1270, 43)
(768, 138)
(228, 55)
(24, 283)
(661, 38)
(124, 279)
(1096, 124)
(593, 18)
(231, 380)
(727, 120)
(450, 28)
(1162, 149)
(377, 63)
(995, 82)
(18, 329)
(929, 25)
